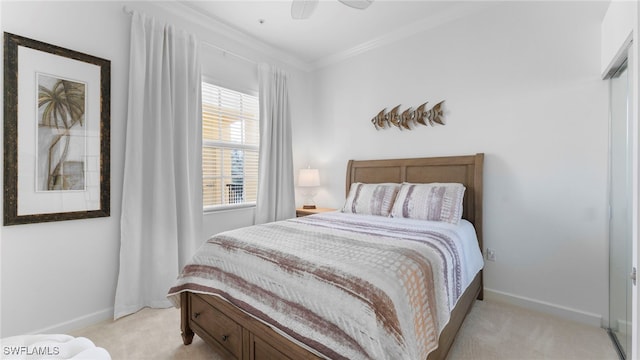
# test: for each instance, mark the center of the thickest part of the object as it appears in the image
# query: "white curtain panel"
(276, 194)
(161, 222)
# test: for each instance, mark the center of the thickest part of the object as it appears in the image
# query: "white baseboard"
(545, 307)
(77, 323)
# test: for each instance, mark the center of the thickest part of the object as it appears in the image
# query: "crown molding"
(430, 22)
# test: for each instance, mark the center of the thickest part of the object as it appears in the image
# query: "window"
(230, 141)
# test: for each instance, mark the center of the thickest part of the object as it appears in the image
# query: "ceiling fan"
(302, 9)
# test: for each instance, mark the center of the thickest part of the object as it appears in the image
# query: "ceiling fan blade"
(302, 9)
(357, 4)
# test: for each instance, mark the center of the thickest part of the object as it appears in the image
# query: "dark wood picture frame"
(98, 116)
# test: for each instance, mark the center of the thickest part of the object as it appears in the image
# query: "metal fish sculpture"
(378, 120)
(393, 118)
(409, 117)
(435, 114)
(420, 114)
(405, 119)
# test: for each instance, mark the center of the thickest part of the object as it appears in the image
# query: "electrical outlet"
(491, 254)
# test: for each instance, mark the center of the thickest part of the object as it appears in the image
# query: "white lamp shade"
(309, 178)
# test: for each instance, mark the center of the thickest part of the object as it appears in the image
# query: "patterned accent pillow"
(371, 199)
(434, 201)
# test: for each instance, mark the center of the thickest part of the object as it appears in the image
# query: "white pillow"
(434, 201)
(371, 199)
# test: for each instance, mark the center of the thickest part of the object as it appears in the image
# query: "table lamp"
(309, 179)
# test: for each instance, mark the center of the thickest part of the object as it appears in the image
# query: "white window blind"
(230, 141)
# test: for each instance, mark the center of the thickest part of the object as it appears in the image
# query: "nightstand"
(304, 212)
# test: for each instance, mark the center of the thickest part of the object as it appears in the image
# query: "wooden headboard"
(466, 170)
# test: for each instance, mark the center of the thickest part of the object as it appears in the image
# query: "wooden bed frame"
(239, 336)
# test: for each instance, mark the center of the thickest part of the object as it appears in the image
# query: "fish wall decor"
(408, 118)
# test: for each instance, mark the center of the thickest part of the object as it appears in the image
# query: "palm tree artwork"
(61, 134)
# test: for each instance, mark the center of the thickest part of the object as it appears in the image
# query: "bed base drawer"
(226, 332)
(247, 338)
(262, 350)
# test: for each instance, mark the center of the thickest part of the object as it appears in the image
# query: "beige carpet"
(491, 331)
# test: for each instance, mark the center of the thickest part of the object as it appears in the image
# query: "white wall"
(522, 84)
(53, 273)
(56, 277)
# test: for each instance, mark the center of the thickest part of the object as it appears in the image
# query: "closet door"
(620, 243)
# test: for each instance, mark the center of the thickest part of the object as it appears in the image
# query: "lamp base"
(308, 206)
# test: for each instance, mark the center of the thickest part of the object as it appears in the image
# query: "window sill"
(229, 207)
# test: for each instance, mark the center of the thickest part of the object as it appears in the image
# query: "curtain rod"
(127, 10)
(225, 52)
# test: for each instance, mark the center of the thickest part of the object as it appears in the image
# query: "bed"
(243, 323)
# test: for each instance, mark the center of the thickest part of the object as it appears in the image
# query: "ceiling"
(334, 31)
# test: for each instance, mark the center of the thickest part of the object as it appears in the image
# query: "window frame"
(229, 145)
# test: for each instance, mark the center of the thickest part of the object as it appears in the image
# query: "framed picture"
(56, 133)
